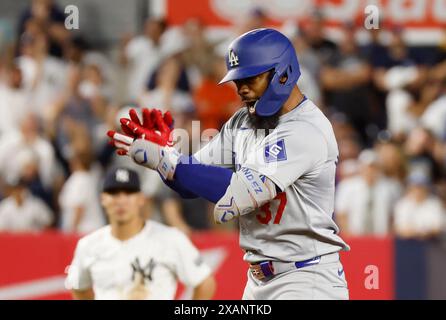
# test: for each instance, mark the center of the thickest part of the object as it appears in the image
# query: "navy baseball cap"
(419, 178)
(121, 179)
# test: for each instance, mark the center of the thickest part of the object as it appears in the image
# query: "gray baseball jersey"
(300, 157)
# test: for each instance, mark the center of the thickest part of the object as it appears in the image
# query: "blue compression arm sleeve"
(176, 186)
(194, 178)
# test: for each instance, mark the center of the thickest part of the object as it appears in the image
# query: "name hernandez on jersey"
(300, 157)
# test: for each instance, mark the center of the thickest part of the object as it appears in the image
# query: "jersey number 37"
(266, 215)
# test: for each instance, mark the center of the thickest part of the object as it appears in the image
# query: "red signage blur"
(369, 268)
(409, 13)
(32, 265)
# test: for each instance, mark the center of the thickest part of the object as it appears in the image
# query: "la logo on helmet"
(233, 59)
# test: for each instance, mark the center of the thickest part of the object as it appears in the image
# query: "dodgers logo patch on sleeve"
(275, 151)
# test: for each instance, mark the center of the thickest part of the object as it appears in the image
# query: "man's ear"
(141, 198)
(103, 198)
(283, 79)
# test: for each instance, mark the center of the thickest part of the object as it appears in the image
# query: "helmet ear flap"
(285, 74)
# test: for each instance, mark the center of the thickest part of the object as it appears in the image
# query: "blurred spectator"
(28, 138)
(347, 169)
(438, 71)
(169, 89)
(346, 77)
(310, 87)
(398, 53)
(171, 74)
(27, 162)
(215, 104)
(15, 101)
(22, 212)
(142, 55)
(364, 204)
(82, 103)
(7, 41)
(75, 51)
(375, 51)
(411, 105)
(342, 127)
(314, 34)
(434, 116)
(348, 142)
(97, 92)
(50, 18)
(420, 150)
(419, 214)
(349, 148)
(306, 54)
(308, 62)
(398, 67)
(399, 74)
(79, 53)
(42, 74)
(174, 51)
(255, 18)
(391, 160)
(198, 57)
(441, 49)
(79, 198)
(400, 119)
(93, 85)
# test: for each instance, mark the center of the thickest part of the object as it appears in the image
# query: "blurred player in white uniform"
(272, 166)
(132, 258)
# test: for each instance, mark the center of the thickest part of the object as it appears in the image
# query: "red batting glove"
(120, 141)
(147, 121)
(154, 127)
(161, 128)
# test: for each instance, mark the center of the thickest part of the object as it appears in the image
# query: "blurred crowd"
(59, 95)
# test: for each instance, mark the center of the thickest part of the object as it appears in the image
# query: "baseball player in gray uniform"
(272, 166)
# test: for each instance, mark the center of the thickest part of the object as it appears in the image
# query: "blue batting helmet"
(258, 51)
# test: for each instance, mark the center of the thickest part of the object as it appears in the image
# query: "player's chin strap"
(247, 191)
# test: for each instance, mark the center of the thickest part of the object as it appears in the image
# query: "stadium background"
(384, 92)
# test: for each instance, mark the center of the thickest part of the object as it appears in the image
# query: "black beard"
(268, 123)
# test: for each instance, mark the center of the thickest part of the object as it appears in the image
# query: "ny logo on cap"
(122, 175)
(233, 59)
